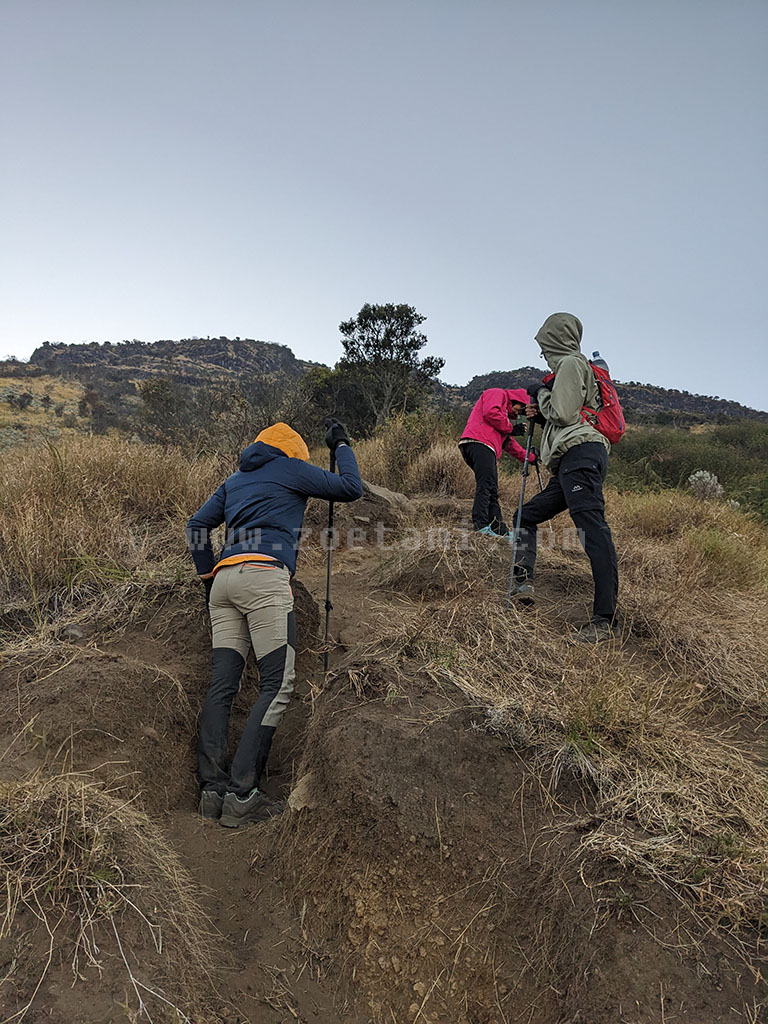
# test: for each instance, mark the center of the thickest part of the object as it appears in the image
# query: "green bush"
(663, 457)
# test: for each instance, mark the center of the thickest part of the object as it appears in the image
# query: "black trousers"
(577, 486)
(486, 510)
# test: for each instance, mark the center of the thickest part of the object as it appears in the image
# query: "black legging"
(486, 510)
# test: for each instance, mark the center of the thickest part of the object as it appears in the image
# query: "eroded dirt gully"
(125, 711)
(422, 875)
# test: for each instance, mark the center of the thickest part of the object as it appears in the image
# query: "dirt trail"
(434, 820)
(277, 976)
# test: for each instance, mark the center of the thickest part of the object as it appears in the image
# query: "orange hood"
(281, 436)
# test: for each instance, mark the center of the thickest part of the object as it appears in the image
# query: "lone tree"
(381, 346)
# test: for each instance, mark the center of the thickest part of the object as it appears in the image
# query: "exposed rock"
(390, 499)
(73, 633)
(302, 794)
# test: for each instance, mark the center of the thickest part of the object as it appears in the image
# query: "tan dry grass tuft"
(686, 808)
(82, 516)
(693, 590)
(387, 457)
(441, 471)
(98, 875)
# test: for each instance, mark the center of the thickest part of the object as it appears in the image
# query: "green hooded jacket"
(574, 386)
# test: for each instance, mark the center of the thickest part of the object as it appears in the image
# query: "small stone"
(151, 733)
(420, 989)
(73, 632)
(302, 795)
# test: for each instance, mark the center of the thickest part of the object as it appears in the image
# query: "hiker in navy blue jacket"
(251, 603)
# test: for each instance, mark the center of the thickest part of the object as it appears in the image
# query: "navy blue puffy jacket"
(263, 504)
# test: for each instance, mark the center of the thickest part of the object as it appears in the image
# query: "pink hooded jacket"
(489, 422)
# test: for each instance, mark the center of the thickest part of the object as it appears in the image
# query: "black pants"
(577, 486)
(486, 510)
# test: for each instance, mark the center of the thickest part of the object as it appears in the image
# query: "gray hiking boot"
(522, 590)
(257, 806)
(210, 804)
(595, 632)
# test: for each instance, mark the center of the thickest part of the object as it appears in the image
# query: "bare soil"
(422, 873)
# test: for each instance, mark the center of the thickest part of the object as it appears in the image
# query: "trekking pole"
(516, 537)
(328, 605)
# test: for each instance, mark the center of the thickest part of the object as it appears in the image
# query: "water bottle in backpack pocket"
(608, 419)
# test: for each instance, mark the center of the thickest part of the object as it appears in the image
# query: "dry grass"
(693, 588)
(441, 471)
(386, 458)
(673, 800)
(80, 517)
(102, 884)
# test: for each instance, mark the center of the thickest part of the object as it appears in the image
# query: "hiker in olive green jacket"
(576, 454)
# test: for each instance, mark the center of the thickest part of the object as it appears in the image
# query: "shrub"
(386, 458)
(441, 470)
(705, 485)
(658, 457)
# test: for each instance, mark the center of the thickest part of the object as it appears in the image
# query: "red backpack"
(609, 418)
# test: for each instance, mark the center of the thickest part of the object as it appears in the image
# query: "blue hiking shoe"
(486, 531)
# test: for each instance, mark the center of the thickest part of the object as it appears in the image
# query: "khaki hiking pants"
(251, 605)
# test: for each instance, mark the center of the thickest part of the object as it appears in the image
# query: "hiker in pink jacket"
(489, 432)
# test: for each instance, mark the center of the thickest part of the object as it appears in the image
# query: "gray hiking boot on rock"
(522, 590)
(210, 804)
(595, 632)
(257, 806)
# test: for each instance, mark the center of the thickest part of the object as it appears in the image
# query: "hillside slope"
(488, 823)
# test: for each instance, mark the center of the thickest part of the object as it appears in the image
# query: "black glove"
(535, 461)
(518, 430)
(534, 389)
(336, 433)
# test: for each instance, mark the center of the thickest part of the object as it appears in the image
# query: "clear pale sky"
(262, 168)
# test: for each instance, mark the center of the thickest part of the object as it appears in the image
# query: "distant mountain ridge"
(114, 370)
(196, 360)
(642, 403)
